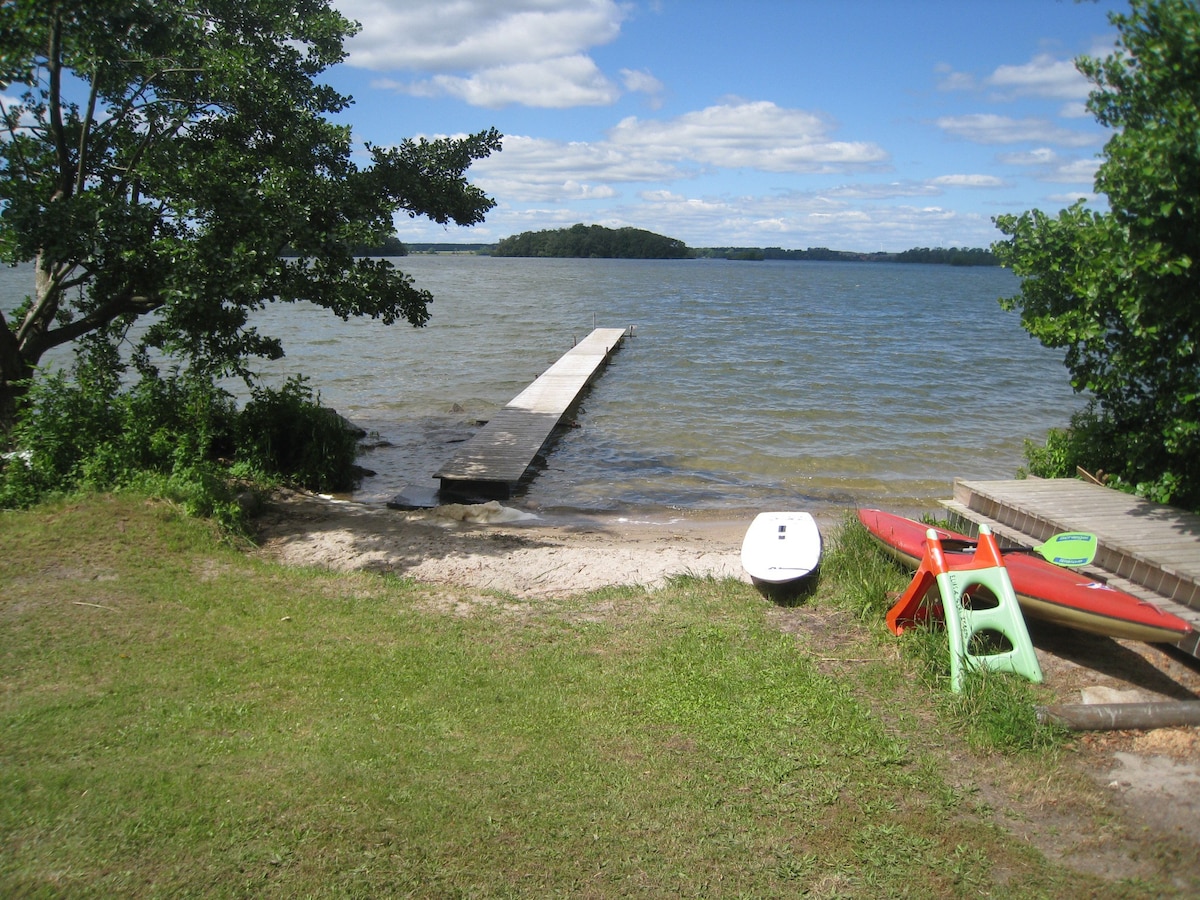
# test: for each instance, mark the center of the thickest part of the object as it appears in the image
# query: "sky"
(861, 125)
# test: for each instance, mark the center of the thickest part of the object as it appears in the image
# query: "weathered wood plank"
(500, 453)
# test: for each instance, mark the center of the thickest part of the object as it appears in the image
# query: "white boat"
(781, 550)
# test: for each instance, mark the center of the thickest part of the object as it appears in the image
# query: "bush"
(288, 434)
(1093, 443)
(1085, 444)
(172, 437)
(85, 434)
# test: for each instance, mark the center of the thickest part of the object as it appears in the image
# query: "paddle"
(1071, 548)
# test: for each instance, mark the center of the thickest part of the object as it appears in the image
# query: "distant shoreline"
(953, 256)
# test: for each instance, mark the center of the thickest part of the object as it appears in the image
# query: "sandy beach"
(499, 548)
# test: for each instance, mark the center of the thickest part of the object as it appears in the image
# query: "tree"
(593, 242)
(157, 159)
(1120, 290)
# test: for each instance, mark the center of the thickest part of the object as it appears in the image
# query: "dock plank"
(500, 453)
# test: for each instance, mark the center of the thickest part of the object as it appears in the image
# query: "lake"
(746, 385)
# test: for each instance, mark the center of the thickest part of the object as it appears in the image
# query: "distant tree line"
(593, 242)
(390, 246)
(457, 249)
(597, 242)
(954, 256)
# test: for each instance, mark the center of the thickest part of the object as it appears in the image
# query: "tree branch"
(45, 304)
(84, 131)
(96, 319)
(54, 65)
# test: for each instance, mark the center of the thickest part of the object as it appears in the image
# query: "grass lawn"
(180, 718)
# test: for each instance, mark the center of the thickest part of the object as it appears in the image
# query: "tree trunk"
(13, 387)
(21, 346)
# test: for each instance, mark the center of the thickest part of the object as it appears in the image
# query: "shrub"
(286, 433)
(172, 437)
(88, 434)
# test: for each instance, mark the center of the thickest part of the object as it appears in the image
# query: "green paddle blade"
(1071, 548)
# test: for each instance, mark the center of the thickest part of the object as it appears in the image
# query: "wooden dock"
(1146, 549)
(492, 461)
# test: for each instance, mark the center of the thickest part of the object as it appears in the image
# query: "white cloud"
(1069, 198)
(489, 53)
(561, 83)
(641, 82)
(759, 136)
(457, 35)
(1053, 167)
(756, 135)
(800, 219)
(1079, 171)
(1076, 109)
(968, 181)
(812, 221)
(949, 80)
(988, 128)
(539, 170)
(884, 191)
(1041, 156)
(1043, 76)
(791, 219)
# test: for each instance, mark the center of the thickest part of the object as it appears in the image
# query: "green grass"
(180, 719)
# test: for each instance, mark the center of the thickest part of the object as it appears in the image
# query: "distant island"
(597, 242)
(593, 242)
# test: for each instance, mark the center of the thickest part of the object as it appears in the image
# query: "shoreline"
(504, 548)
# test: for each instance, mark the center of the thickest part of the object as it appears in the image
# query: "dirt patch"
(1147, 781)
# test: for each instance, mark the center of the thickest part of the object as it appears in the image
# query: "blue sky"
(851, 124)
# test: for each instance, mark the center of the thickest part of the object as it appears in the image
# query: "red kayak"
(1044, 590)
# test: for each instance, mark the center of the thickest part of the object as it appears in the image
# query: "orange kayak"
(1044, 590)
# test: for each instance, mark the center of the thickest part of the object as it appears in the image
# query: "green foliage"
(288, 434)
(162, 435)
(162, 157)
(593, 242)
(1087, 443)
(1117, 291)
(171, 437)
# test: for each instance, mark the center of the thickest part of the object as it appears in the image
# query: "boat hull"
(1045, 591)
(781, 551)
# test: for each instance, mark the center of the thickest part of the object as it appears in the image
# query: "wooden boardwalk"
(492, 461)
(1146, 549)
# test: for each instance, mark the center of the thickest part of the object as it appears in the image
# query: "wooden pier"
(492, 461)
(1146, 549)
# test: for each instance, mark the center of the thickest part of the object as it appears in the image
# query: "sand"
(499, 548)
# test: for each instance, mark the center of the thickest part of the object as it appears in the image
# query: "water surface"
(746, 385)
